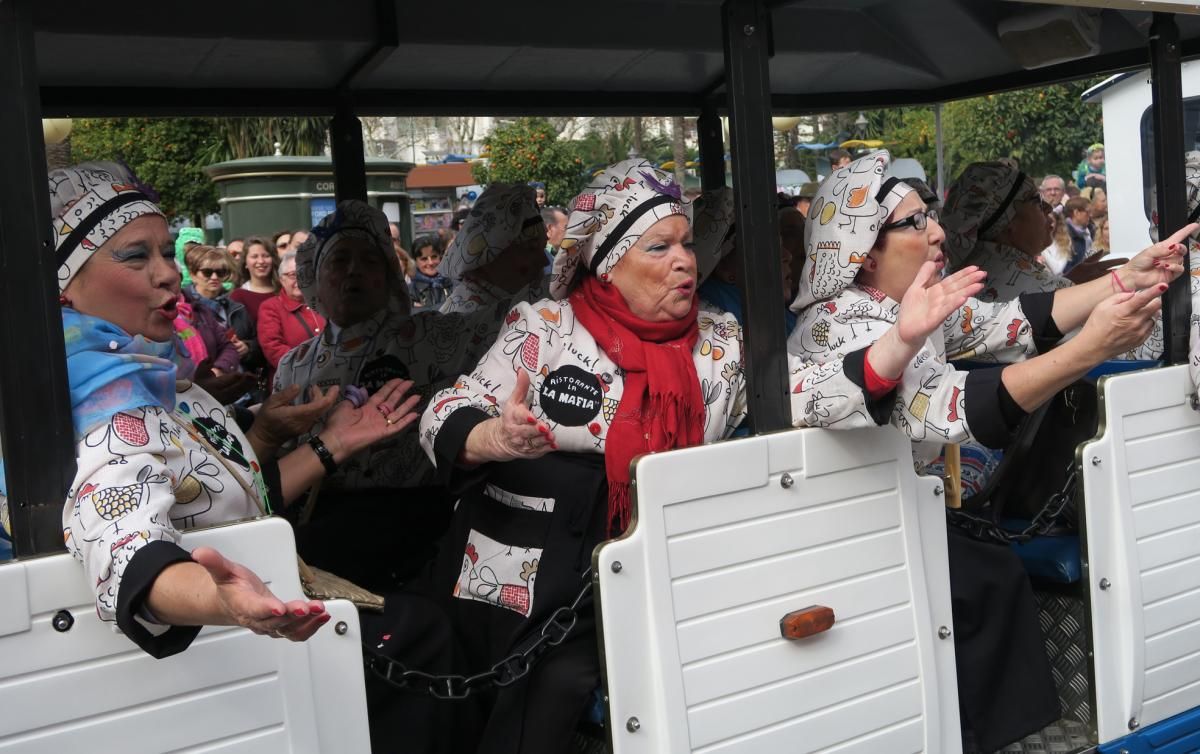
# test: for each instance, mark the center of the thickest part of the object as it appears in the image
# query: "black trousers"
(1005, 688)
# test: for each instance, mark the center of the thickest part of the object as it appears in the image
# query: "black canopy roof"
(476, 56)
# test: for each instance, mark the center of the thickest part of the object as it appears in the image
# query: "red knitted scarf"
(661, 407)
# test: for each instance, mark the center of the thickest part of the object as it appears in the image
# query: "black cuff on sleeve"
(451, 439)
(1038, 308)
(854, 367)
(145, 566)
(991, 420)
(1013, 413)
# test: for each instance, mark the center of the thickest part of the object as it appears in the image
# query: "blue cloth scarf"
(110, 371)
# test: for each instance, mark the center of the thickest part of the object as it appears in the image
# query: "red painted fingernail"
(278, 612)
(325, 617)
(316, 609)
(299, 613)
(1162, 286)
(531, 420)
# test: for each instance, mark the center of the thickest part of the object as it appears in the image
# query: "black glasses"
(208, 272)
(919, 220)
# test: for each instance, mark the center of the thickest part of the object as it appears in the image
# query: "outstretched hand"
(925, 307)
(516, 433)
(1160, 263)
(247, 602)
(1121, 322)
(388, 412)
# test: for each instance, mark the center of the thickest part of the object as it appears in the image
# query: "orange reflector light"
(807, 622)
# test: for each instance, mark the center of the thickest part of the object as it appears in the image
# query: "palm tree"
(257, 137)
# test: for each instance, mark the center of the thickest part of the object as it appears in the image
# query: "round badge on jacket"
(571, 396)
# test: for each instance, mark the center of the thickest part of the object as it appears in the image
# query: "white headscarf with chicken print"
(843, 223)
(607, 219)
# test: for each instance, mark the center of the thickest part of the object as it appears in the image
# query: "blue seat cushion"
(1119, 367)
(1053, 559)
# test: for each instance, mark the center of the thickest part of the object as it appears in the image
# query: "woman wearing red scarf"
(621, 361)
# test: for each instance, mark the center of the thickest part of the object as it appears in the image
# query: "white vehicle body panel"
(1141, 482)
(721, 551)
(90, 689)
(1124, 104)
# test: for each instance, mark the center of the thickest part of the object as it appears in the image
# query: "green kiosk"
(262, 195)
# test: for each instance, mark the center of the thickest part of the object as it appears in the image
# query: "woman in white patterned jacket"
(874, 252)
(872, 248)
(156, 454)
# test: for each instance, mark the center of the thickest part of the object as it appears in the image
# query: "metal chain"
(553, 631)
(1045, 520)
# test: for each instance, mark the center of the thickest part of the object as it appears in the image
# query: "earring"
(63, 300)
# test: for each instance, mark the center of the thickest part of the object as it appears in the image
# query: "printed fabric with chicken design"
(575, 387)
(146, 476)
(931, 396)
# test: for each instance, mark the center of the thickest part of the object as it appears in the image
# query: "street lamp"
(860, 126)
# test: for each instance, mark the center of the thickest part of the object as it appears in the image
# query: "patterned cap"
(843, 222)
(713, 229)
(504, 215)
(90, 203)
(607, 219)
(981, 204)
(353, 219)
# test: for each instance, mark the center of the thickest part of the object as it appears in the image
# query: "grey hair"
(1052, 175)
(287, 256)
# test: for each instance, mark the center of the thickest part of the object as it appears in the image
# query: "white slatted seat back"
(724, 546)
(1141, 482)
(90, 689)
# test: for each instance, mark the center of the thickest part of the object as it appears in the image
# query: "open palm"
(923, 309)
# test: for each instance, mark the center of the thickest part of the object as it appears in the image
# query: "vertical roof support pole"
(35, 412)
(349, 158)
(712, 149)
(941, 152)
(1167, 89)
(747, 31)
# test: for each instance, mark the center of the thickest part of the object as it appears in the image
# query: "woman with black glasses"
(996, 220)
(871, 309)
(876, 324)
(210, 267)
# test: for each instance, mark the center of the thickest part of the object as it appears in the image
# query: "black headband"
(886, 189)
(82, 230)
(623, 227)
(1012, 194)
